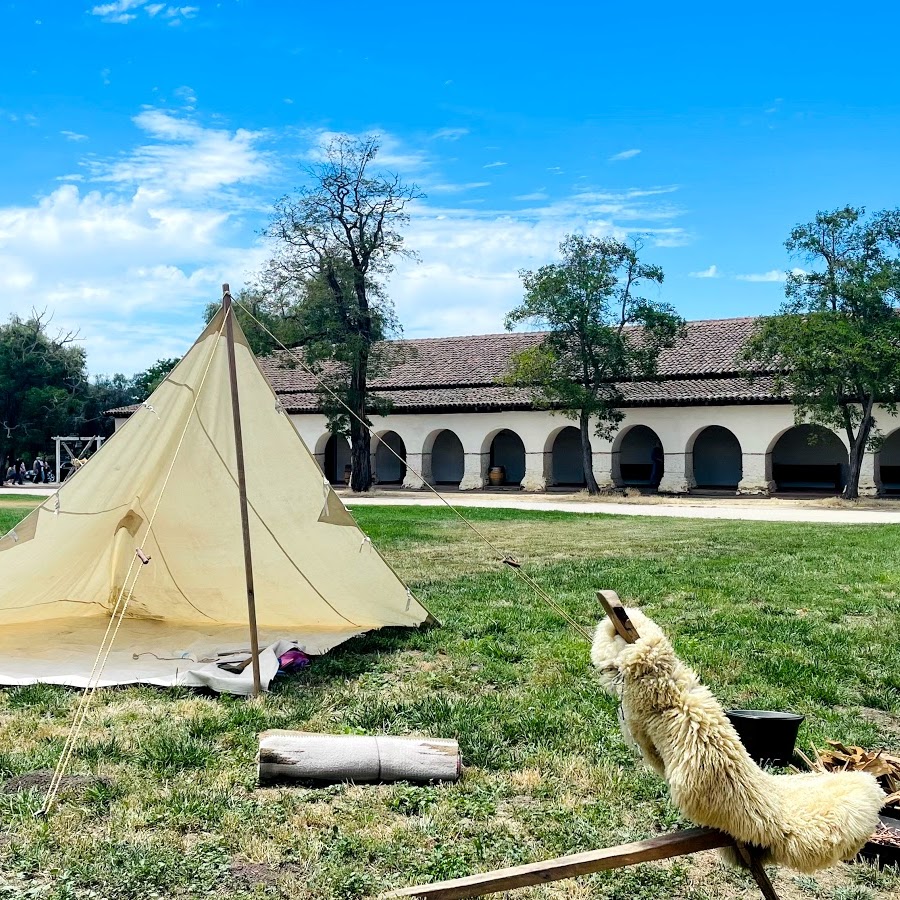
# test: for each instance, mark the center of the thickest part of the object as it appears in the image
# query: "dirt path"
(758, 510)
(753, 509)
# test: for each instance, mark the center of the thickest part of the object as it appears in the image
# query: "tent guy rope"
(502, 557)
(118, 611)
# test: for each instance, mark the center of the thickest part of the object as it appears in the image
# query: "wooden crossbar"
(666, 846)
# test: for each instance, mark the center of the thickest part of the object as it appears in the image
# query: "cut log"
(666, 846)
(304, 756)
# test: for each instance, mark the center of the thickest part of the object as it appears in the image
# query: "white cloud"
(187, 96)
(449, 134)
(132, 259)
(132, 254)
(534, 195)
(392, 153)
(73, 136)
(711, 272)
(771, 275)
(121, 12)
(118, 11)
(184, 156)
(625, 154)
(468, 279)
(494, 165)
(448, 188)
(175, 14)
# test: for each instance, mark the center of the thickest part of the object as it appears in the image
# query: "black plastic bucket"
(769, 736)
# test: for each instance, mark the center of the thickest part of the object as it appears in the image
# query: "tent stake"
(242, 484)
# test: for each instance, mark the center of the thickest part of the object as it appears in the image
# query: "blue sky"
(143, 143)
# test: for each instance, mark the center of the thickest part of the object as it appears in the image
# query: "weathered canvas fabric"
(318, 579)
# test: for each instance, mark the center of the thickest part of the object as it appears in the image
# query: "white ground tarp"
(318, 579)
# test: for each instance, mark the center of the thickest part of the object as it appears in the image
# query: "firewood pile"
(841, 758)
(886, 835)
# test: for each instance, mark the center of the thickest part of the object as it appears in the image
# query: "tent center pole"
(242, 484)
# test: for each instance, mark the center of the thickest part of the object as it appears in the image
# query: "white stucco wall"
(756, 428)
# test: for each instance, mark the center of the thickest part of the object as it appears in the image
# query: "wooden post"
(760, 876)
(613, 608)
(242, 485)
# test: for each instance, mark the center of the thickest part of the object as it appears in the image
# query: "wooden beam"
(666, 846)
(242, 486)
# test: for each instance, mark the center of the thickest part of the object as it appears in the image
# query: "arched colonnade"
(711, 458)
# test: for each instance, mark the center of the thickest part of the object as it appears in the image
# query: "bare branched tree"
(335, 240)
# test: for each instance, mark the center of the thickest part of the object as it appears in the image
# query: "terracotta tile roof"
(674, 392)
(700, 391)
(710, 347)
(461, 373)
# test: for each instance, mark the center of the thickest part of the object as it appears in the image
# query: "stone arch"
(319, 450)
(808, 458)
(566, 466)
(506, 449)
(387, 468)
(333, 453)
(447, 457)
(716, 458)
(887, 464)
(634, 452)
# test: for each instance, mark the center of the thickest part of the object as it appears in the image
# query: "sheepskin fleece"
(806, 822)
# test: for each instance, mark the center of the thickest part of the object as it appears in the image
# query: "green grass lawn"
(800, 617)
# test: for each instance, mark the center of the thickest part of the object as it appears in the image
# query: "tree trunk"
(857, 451)
(360, 458)
(587, 460)
(360, 443)
(360, 440)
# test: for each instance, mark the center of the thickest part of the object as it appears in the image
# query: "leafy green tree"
(600, 332)
(261, 315)
(106, 392)
(103, 392)
(42, 385)
(335, 240)
(308, 318)
(836, 339)
(145, 383)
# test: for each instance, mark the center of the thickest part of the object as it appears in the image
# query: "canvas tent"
(318, 579)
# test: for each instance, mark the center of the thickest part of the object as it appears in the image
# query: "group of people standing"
(16, 472)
